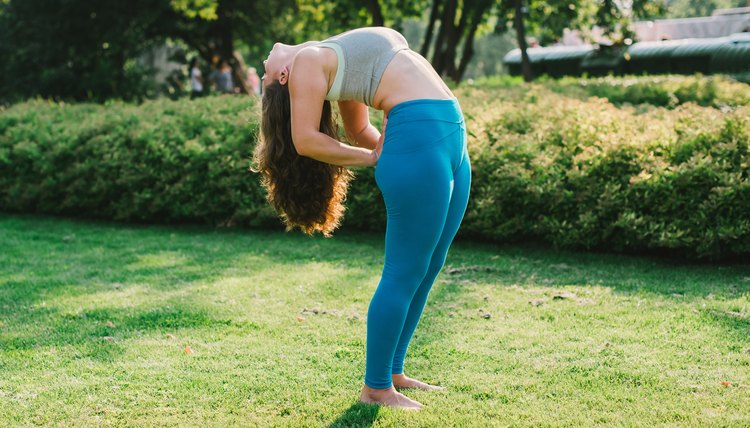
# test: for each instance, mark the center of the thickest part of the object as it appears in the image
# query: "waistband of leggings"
(447, 110)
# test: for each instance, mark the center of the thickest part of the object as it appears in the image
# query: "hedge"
(666, 91)
(578, 173)
(162, 161)
(585, 174)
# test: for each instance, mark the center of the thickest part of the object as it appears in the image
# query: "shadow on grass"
(44, 257)
(49, 254)
(49, 257)
(169, 256)
(535, 265)
(358, 415)
(734, 322)
(483, 265)
(49, 260)
(98, 333)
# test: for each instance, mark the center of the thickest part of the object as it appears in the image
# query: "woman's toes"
(392, 399)
(407, 403)
(407, 382)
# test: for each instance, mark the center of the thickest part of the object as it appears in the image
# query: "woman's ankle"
(370, 390)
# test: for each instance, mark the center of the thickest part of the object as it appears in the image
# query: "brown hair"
(305, 192)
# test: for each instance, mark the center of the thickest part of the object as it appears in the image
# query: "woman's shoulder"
(309, 56)
(309, 67)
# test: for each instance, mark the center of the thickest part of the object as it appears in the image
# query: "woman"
(422, 170)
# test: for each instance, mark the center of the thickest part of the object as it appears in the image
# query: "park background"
(600, 275)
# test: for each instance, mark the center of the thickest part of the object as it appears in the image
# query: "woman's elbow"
(301, 149)
(301, 145)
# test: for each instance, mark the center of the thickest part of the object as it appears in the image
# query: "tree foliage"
(88, 49)
(80, 49)
(204, 9)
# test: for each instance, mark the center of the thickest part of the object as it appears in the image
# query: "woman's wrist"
(374, 157)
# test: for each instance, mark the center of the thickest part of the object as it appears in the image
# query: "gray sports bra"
(363, 54)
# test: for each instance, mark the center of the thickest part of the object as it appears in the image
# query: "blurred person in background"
(253, 81)
(196, 79)
(222, 77)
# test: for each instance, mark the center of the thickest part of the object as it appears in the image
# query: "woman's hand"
(379, 145)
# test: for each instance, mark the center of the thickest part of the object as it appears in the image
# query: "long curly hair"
(305, 192)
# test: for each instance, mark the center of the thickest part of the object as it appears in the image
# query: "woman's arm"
(359, 130)
(307, 88)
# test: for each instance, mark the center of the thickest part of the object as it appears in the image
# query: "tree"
(454, 25)
(79, 49)
(87, 49)
(212, 27)
(518, 11)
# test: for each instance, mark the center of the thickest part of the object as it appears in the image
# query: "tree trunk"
(521, 36)
(468, 49)
(225, 46)
(431, 28)
(377, 13)
(223, 31)
(451, 44)
(446, 26)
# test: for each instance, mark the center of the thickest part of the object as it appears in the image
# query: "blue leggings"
(424, 175)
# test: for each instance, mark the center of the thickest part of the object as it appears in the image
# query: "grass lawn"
(106, 324)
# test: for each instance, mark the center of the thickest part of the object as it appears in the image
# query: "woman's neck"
(301, 46)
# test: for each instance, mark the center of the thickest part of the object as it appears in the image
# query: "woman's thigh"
(416, 189)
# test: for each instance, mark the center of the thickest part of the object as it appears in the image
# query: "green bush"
(576, 173)
(590, 175)
(664, 91)
(159, 162)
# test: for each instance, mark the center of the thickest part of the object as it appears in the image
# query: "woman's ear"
(284, 75)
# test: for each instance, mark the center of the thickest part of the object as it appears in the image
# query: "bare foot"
(403, 381)
(388, 397)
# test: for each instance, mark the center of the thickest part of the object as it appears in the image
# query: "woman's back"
(409, 76)
(363, 55)
(375, 66)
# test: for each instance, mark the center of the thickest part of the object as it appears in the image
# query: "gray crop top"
(363, 54)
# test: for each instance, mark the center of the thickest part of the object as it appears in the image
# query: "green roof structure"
(555, 61)
(732, 56)
(686, 56)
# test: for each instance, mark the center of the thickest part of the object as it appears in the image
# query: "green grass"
(95, 319)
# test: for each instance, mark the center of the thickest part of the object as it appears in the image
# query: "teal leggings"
(424, 175)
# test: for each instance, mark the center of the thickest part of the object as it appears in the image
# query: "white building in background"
(721, 23)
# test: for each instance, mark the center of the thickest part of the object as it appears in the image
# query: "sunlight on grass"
(160, 260)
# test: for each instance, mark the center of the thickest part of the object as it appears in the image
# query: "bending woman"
(421, 167)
